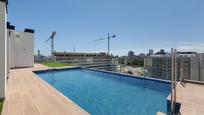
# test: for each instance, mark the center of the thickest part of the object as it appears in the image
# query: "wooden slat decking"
(191, 98)
(27, 94)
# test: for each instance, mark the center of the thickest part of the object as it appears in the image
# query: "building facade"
(20, 47)
(91, 60)
(131, 54)
(16, 48)
(3, 48)
(151, 52)
(189, 65)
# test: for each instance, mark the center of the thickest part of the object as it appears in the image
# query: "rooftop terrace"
(30, 95)
(191, 97)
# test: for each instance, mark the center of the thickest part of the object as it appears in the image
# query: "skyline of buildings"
(134, 52)
(151, 52)
(190, 65)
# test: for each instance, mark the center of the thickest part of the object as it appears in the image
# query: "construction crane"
(52, 44)
(108, 38)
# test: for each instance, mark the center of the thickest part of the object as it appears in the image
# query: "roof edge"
(29, 30)
(6, 3)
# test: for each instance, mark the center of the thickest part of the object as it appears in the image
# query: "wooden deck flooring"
(191, 98)
(27, 94)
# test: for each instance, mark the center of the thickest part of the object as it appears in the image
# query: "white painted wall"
(11, 40)
(24, 49)
(20, 49)
(8, 67)
(3, 49)
(202, 66)
(195, 68)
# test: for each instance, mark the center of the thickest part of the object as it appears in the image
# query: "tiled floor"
(27, 94)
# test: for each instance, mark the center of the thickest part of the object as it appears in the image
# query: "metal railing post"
(172, 77)
(175, 79)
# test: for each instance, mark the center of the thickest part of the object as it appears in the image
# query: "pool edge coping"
(104, 71)
(57, 91)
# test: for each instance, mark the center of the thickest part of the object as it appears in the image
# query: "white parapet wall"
(23, 50)
(11, 40)
(3, 49)
(20, 47)
(195, 68)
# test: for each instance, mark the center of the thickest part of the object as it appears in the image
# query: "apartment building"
(189, 64)
(91, 60)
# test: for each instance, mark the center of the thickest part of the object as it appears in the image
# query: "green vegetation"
(136, 62)
(1, 105)
(56, 64)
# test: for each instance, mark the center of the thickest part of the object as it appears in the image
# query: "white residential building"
(3, 48)
(21, 47)
(16, 48)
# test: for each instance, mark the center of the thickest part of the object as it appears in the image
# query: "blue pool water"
(102, 93)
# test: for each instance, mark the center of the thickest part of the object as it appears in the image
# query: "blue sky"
(138, 24)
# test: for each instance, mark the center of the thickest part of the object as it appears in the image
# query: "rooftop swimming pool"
(103, 93)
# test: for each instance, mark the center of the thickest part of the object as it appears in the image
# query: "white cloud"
(191, 46)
